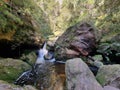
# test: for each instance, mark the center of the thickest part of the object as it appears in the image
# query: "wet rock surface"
(50, 77)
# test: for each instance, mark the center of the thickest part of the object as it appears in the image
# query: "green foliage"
(108, 21)
(110, 50)
(8, 20)
(23, 16)
(55, 16)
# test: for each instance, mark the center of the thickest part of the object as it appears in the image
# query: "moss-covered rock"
(109, 75)
(10, 68)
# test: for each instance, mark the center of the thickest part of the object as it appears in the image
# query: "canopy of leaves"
(50, 17)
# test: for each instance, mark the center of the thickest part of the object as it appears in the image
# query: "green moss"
(10, 69)
(9, 74)
(101, 79)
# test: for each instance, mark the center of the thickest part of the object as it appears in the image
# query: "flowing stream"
(46, 73)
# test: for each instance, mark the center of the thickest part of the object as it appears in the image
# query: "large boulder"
(79, 76)
(109, 75)
(77, 40)
(10, 69)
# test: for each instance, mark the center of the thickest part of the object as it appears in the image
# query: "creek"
(46, 73)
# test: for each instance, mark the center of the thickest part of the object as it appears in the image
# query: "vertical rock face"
(77, 40)
(79, 77)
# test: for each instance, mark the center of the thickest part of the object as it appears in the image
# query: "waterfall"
(41, 53)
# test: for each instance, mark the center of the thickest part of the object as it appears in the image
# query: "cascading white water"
(41, 55)
(42, 73)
